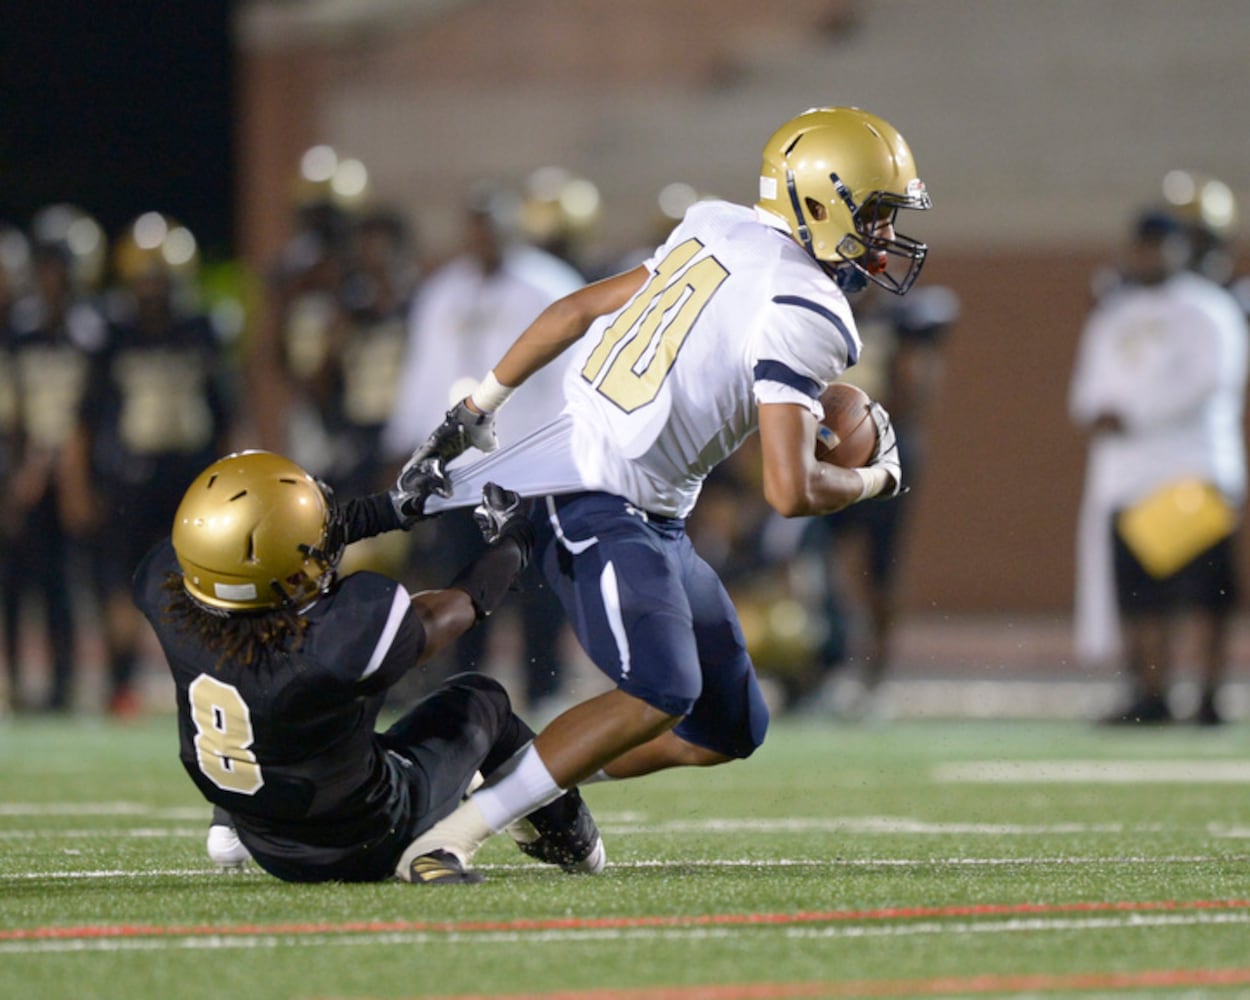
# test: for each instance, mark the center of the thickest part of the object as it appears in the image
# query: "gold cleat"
(441, 868)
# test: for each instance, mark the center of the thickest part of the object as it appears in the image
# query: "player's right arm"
(445, 615)
(795, 483)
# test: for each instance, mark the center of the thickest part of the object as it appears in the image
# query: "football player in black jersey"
(281, 669)
(155, 410)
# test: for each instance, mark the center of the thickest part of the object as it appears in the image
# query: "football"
(847, 436)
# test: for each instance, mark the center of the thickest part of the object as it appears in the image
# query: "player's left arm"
(470, 423)
(434, 619)
(562, 324)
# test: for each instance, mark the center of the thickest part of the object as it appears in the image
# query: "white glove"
(885, 455)
(461, 429)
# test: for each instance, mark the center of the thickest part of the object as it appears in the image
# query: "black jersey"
(50, 373)
(287, 745)
(155, 404)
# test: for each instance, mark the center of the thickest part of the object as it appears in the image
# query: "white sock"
(529, 786)
(462, 833)
(598, 776)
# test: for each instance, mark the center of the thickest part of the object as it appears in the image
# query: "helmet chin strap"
(848, 277)
(804, 235)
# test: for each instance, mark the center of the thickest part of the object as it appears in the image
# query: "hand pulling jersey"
(734, 314)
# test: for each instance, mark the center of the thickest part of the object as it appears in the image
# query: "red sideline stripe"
(948, 985)
(615, 923)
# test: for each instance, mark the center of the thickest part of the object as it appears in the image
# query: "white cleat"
(594, 862)
(225, 850)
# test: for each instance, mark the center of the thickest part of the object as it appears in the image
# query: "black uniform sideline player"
(281, 670)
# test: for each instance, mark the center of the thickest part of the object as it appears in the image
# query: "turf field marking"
(1028, 983)
(1237, 910)
(101, 809)
(1095, 772)
(696, 863)
(225, 938)
(858, 825)
(142, 832)
(869, 825)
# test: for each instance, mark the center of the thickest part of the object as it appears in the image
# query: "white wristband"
(875, 480)
(491, 394)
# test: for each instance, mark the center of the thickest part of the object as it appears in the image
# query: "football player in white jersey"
(737, 323)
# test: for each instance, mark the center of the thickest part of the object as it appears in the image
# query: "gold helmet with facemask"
(837, 177)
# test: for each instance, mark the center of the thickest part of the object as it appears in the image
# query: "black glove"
(504, 514)
(415, 484)
(424, 475)
(885, 455)
(461, 429)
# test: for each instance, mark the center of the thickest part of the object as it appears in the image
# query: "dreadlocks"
(243, 638)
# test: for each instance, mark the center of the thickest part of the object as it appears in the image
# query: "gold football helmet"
(1207, 209)
(1199, 200)
(559, 210)
(78, 236)
(255, 532)
(837, 178)
(155, 244)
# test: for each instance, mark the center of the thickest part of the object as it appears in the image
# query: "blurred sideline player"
(901, 366)
(56, 330)
(14, 279)
(303, 306)
(464, 316)
(281, 668)
(361, 368)
(1159, 385)
(155, 412)
(738, 322)
(559, 212)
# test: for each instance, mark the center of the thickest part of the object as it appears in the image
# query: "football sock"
(461, 833)
(529, 786)
(526, 787)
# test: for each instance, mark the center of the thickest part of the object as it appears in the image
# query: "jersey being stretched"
(734, 314)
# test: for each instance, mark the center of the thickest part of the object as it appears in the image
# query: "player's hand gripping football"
(504, 514)
(462, 428)
(416, 482)
(885, 456)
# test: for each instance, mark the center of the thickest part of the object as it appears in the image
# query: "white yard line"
(102, 809)
(852, 825)
(710, 863)
(477, 939)
(638, 826)
(1095, 772)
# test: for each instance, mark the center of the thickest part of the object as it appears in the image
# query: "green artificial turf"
(840, 860)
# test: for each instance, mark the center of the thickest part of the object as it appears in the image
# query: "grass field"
(916, 859)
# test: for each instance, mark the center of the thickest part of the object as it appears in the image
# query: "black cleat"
(1148, 709)
(562, 833)
(1208, 713)
(441, 868)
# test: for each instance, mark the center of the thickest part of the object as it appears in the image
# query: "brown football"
(847, 436)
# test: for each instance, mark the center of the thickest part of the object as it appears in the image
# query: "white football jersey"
(735, 313)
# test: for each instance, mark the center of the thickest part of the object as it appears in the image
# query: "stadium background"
(1038, 128)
